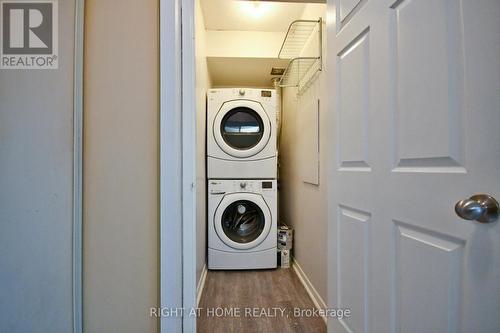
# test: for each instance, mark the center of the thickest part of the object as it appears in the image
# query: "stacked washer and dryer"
(241, 171)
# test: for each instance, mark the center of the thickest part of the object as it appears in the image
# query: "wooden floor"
(256, 301)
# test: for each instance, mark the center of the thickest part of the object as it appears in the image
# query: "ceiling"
(242, 72)
(250, 15)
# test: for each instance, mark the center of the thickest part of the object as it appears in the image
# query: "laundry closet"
(261, 151)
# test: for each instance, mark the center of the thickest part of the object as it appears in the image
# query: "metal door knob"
(480, 207)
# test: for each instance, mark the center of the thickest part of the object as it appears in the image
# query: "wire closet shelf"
(302, 68)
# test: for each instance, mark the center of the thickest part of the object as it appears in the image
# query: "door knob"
(480, 207)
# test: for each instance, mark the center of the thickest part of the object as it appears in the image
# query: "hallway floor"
(256, 301)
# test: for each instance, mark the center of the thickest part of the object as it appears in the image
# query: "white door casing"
(415, 111)
(177, 280)
(266, 123)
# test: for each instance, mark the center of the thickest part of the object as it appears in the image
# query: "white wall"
(243, 58)
(245, 44)
(202, 84)
(36, 166)
(304, 205)
(121, 158)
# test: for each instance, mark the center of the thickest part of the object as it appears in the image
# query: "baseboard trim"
(201, 284)
(311, 291)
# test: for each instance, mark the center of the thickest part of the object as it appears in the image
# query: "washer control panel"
(232, 186)
(216, 187)
(267, 184)
(243, 186)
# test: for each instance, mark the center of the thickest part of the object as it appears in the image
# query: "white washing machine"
(242, 224)
(241, 133)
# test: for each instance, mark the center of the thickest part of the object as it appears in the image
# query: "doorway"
(239, 46)
(406, 138)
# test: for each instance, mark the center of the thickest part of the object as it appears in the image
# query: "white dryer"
(241, 133)
(242, 224)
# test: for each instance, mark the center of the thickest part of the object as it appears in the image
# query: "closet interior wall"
(302, 158)
(203, 83)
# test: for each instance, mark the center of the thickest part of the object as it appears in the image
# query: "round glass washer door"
(242, 128)
(242, 220)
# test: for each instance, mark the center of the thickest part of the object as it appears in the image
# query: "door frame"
(189, 184)
(177, 164)
(77, 287)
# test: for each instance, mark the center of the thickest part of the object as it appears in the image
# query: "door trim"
(177, 164)
(331, 164)
(78, 167)
(189, 184)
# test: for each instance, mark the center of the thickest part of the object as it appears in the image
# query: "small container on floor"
(284, 258)
(285, 237)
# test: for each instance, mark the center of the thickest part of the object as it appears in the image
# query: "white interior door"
(416, 115)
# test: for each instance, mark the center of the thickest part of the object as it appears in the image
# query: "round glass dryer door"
(242, 128)
(242, 220)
